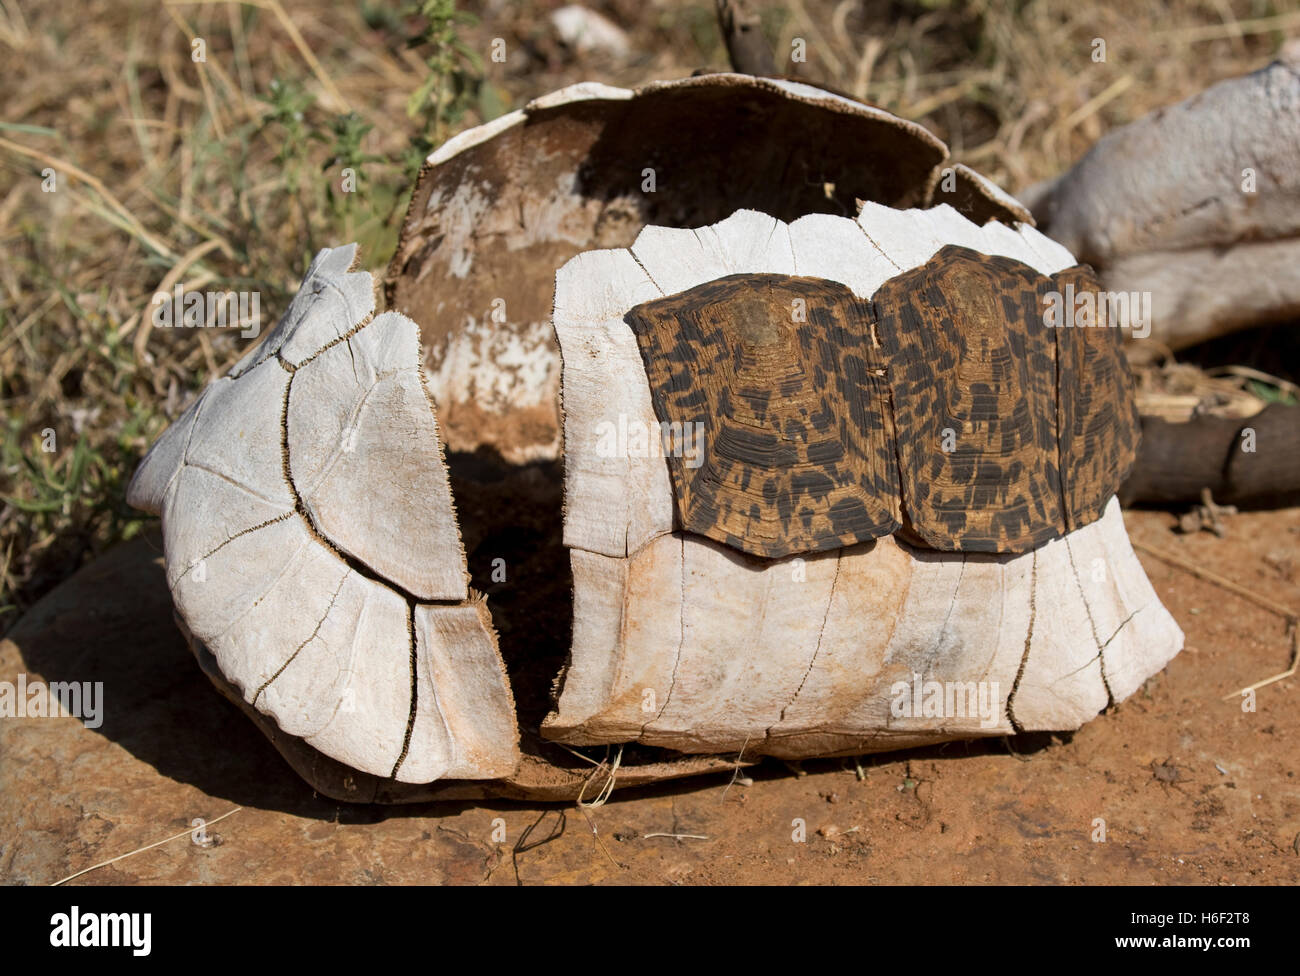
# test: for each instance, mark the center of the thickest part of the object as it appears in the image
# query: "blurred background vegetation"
(226, 172)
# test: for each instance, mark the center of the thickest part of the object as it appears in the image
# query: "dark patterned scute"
(947, 406)
(797, 447)
(972, 365)
(1098, 422)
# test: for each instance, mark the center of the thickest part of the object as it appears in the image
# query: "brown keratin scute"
(946, 406)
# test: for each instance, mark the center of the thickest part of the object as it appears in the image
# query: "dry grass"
(225, 174)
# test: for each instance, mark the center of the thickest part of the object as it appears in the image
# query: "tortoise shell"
(499, 208)
(945, 407)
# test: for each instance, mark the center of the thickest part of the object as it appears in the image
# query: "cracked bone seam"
(312, 546)
(692, 643)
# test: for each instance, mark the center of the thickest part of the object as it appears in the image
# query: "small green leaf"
(33, 130)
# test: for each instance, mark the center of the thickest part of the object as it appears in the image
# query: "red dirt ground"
(1192, 788)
